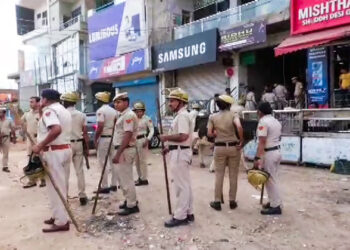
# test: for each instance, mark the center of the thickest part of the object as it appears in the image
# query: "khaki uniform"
(281, 94)
(107, 115)
(5, 132)
(78, 121)
(299, 95)
(270, 98)
(58, 160)
(250, 103)
(145, 126)
(224, 156)
(179, 165)
(271, 128)
(31, 120)
(126, 122)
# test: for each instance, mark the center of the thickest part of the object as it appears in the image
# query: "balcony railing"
(228, 18)
(75, 20)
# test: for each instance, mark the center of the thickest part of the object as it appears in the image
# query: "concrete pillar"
(234, 80)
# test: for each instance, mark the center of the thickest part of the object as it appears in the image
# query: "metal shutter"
(203, 81)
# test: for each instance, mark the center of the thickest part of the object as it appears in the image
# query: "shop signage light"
(312, 15)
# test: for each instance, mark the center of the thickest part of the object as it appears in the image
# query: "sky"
(9, 43)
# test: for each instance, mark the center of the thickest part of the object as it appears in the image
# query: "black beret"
(50, 94)
(265, 108)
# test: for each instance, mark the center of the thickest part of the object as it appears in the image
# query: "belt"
(226, 144)
(76, 140)
(272, 148)
(116, 147)
(106, 136)
(140, 136)
(174, 147)
(56, 147)
(5, 136)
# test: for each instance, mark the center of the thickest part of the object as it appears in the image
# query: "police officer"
(7, 134)
(30, 121)
(78, 136)
(54, 132)
(105, 121)
(125, 152)
(298, 93)
(268, 156)
(180, 156)
(226, 128)
(145, 132)
(281, 95)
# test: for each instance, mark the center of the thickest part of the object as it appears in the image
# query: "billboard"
(312, 15)
(121, 65)
(189, 51)
(317, 77)
(117, 30)
(242, 36)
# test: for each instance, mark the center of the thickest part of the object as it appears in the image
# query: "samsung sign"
(186, 52)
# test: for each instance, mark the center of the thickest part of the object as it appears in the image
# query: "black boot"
(83, 201)
(233, 204)
(216, 205)
(42, 184)
(190, 218)
(103, 191)
(113, 188)
(6, 169)
(271, 211)
(266, 206)
(175, 222)
(129, 210)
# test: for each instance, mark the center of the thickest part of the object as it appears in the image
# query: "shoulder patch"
(261, 127)
(48, 113)
(128, 120)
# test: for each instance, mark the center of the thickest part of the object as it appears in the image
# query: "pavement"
(316, 209)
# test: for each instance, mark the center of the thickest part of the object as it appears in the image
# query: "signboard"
(311, 15)
(117, 30)
(242, 36)
(189, 51)
(317, 77)
(290, 149)
(117, 66)
(325, 150)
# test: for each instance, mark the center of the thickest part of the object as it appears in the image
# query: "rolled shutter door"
(203, 81)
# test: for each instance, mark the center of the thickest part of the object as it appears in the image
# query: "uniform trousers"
(271, 163)
(179, 165)
(102, 151)
(5, 147)
(125, 173)
(78, 162)
(58, 162)
(230, 157)
(141, 159)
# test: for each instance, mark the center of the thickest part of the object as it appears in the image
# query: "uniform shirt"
(269, 97)
(250, 101)
(193, 116)
(182, 125)
(280, 91)
(5, 126)
(107, 115)
(145, 126)
(345, 80)
(31, 119)
(271, 128)
(223, 124)
(298, 89)
(55, 114)
(78, 121)
(126, 122)
(237, 109)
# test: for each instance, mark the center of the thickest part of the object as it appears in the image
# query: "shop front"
(119, 53)
(321, 29)
(194, 60)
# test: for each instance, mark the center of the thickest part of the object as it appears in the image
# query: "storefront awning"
(295, 43)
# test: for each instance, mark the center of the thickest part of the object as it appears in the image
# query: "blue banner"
(117, 30)
(317, 77)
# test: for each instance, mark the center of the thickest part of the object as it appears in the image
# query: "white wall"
(40, 9)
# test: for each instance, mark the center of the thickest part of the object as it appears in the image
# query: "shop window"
(38, 16)
(211, 9)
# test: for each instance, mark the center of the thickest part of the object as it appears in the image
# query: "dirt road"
(316, 214)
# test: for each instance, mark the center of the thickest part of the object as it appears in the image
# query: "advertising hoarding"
(117, 30)
(312, 15)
